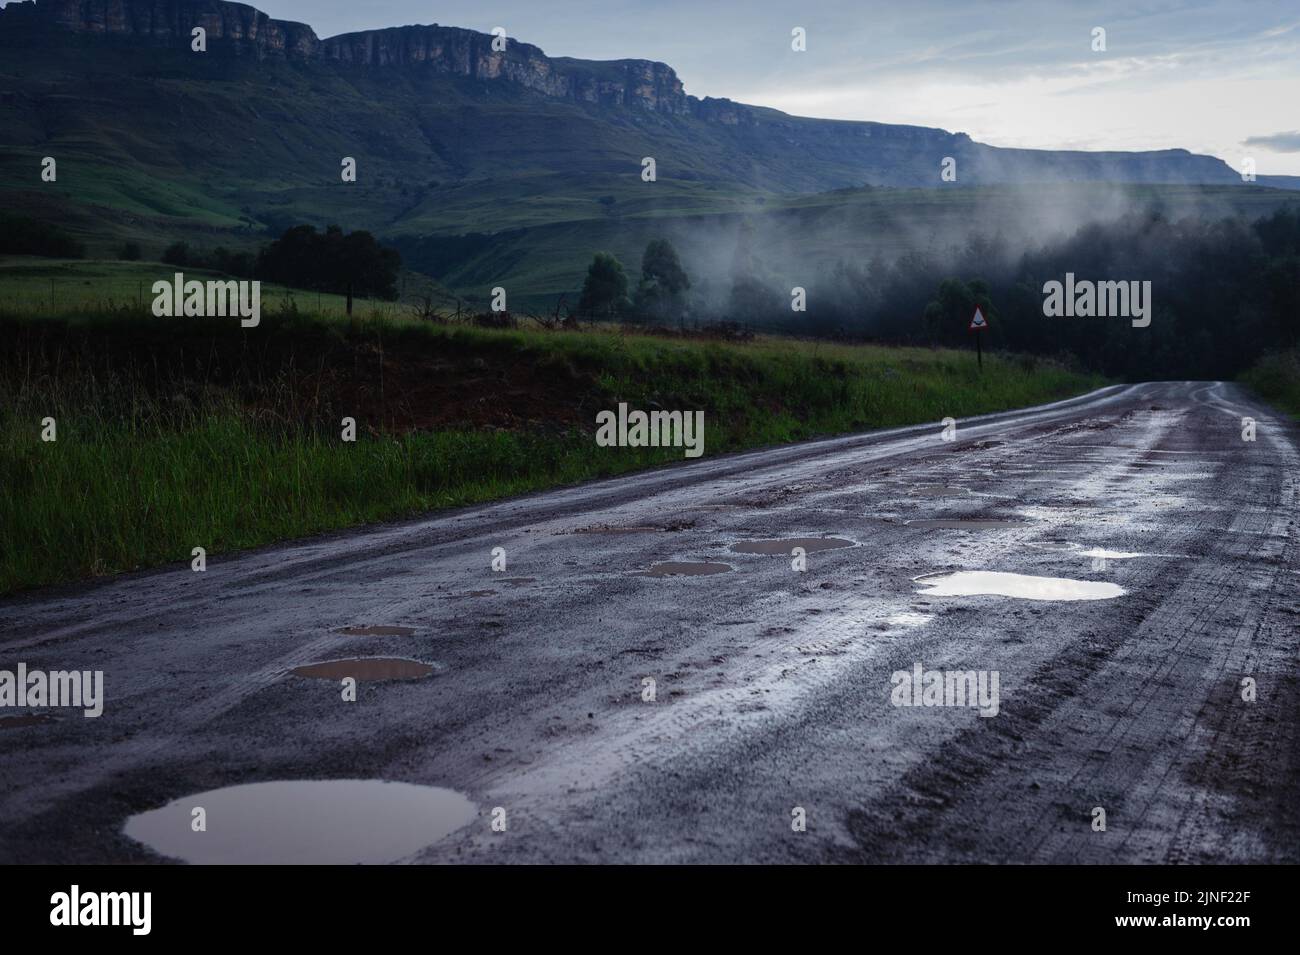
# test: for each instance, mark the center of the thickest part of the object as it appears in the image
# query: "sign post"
(977, 325)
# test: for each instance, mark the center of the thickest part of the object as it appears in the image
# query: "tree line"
(351, 264)
(1224, 292)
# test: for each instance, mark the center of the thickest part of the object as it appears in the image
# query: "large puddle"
(687, 568)
(783, 545)
(378, 631)
(305, 822)
(975, 583)
(366, 669)
(965, 523)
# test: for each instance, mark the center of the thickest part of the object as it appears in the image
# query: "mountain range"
(451, 135)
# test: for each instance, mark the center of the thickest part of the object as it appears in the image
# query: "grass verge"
(173, 434)
(1276, 379)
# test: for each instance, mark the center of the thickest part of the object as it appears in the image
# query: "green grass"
(108, 497)
(1276, 379)
(30, 285)
(174, 433)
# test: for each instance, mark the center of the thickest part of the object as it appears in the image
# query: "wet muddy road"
(1121, 562)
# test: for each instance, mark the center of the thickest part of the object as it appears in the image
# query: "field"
(39, 286)
(172, 434)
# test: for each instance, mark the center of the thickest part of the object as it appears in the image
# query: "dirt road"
(773, 689)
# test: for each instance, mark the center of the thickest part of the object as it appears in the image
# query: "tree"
(752, 301)
(239, 264)
(178, 253)
(661, 293)
(604, 291)
(23, 235)
(352, 264)
(948, 315)
(751, 297)
(368, 268)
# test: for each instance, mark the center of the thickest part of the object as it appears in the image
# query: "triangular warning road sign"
(978, 322)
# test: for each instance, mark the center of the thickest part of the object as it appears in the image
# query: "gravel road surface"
(1170, 700)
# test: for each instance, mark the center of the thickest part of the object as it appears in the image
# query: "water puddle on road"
(1058, 547)
(378, 631)
(305, 822)
(686, 568)
(518, 581)
(964, 524)
(1063, 547)
(366, 669)
(976, 583)
(1102, 553)
(611, 529)
(783, 545)
(910, 618)
(939, 490)
(30, 719)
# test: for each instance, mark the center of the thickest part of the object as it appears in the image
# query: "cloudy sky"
(1214, 77)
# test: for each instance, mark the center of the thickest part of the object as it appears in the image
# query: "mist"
(872, 263)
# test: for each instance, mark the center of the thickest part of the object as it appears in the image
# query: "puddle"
(964, 523)
(686, 568)
(1062, 547)
(518, 581)
(975, 583)
(366, 669)
(783, 545)
(1058, 547)
(30, 719)
(305, 822)
(939, 490)
(610, 529)
(378, 631)
(910, 619)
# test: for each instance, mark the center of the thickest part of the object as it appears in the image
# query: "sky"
(1219, 77)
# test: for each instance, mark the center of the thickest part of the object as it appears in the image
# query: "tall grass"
(105, 499)
(173, 434)
(1276, 379)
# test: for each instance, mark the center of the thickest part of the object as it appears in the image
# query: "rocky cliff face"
(878, 153)
(236, 28)
(639, 83)
(231, 27)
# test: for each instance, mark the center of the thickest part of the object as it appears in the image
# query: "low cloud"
(1278, 142)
